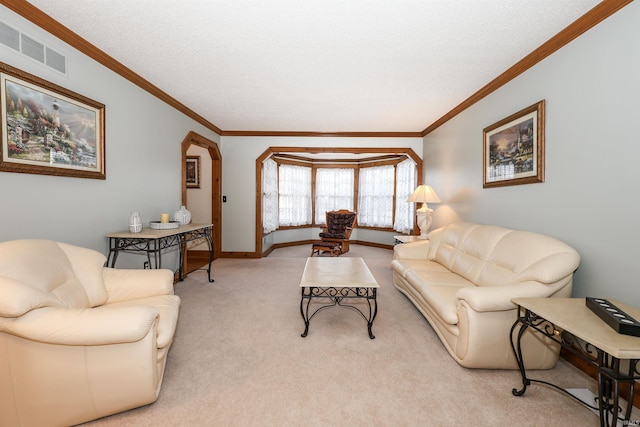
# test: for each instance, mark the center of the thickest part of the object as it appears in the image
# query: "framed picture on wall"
(514, 149)
(49, 130)
(193, 171)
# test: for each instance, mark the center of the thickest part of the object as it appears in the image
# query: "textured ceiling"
(324, 66)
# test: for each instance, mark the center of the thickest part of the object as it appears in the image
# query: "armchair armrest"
(89, 326)
(498, 298)
(131, 284)
(347, 232)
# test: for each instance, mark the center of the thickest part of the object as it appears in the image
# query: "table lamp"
(424, 194)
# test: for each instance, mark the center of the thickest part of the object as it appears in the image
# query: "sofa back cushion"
(39, 273)
(489, 255)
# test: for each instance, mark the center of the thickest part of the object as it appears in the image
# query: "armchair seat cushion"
(333, 235)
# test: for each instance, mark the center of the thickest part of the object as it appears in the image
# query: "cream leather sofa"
(463, 279)
(78, 341)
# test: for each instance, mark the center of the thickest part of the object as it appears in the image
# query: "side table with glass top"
(570, 323)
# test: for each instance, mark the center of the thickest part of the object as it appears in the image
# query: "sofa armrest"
(89, 326)
(132, 284)
(498, 298)
(412, 250)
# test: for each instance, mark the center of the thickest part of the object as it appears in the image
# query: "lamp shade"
(424, 194)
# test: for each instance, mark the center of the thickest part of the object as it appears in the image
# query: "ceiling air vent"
(33, 49)
(9, 36)
(56, 60)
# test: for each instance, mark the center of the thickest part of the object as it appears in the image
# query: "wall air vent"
(9, 36)
(32, 48)
(56, 60)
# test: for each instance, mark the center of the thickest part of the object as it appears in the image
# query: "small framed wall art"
(193, 171)
(49, 130)
(514, 149)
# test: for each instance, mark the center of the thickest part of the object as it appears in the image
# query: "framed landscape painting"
(514, 149)
(49, 130)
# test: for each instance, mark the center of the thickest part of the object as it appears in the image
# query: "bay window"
(334, 191)
(294, 195)
(376, 190)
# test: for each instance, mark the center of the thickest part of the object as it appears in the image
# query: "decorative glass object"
(135, 222)
(183, 216)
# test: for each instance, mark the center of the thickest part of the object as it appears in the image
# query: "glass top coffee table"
(331, 281)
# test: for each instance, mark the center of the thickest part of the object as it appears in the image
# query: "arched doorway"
(211, 147)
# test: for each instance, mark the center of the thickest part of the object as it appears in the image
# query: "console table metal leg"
(207, 235)
(609, 380)
(113, 252)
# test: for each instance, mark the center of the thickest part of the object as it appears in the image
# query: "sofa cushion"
(524, 256)
(439, 290)
(489, 255)
(402, 266)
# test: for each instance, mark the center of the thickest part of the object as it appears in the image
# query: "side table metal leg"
(517, 352)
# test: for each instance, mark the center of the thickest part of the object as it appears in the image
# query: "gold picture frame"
(49, 130)
(514, 149)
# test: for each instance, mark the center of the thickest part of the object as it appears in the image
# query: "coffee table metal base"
(338, 296)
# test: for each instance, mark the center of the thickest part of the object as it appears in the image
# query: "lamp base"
(424, 219)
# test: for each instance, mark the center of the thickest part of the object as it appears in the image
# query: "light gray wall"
(143, 159)
(592, 93)
(239, 156)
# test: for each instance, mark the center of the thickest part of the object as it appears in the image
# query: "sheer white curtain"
(375, 196)
(406, 182)
(334, 190)
(294, 201)
(269, 195)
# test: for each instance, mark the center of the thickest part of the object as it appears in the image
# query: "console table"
(570, 323)
(152, 242)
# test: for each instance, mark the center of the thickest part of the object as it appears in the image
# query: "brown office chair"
(338, 229)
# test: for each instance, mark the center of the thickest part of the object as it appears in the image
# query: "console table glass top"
(151, 242)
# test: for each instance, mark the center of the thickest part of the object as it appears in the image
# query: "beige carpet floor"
(238, 360)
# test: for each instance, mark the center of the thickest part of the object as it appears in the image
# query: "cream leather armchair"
(79, 341)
